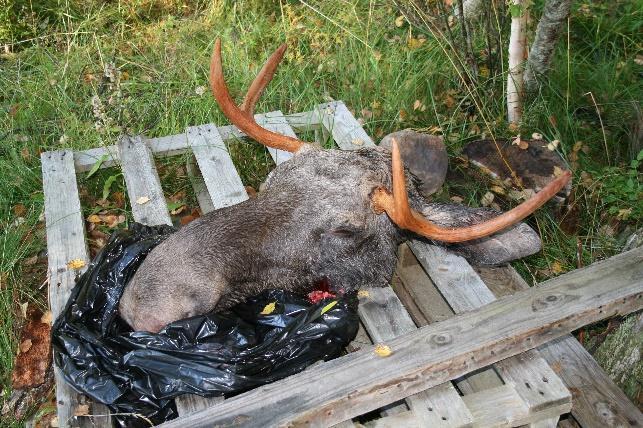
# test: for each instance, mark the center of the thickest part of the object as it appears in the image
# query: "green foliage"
(79, 73)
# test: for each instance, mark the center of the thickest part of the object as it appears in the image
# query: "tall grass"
(54, 93)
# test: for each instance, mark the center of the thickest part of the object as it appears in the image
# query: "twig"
(600, 119)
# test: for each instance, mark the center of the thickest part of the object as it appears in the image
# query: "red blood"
(319, 295)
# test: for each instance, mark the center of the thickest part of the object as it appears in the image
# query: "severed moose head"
(324, 216)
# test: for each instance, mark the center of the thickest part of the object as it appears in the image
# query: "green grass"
(350, 50)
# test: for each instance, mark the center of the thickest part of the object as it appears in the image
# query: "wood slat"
(461, 286)
(342, 125)
(496, 407)
(65, 242)
(276, 122)
(219, 174)
(596, 401)
(436, 353)
(385, 318)
(177, 144)
(142, 182)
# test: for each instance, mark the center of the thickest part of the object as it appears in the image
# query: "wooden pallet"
(431, 285)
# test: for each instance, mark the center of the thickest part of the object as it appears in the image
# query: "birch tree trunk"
(517, 40)
(549, 29)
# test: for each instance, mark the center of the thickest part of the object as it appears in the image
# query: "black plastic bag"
(137, 374)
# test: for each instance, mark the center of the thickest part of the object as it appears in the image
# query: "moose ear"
(512, 243)
(424, 155)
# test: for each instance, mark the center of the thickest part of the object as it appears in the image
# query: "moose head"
(327, 216)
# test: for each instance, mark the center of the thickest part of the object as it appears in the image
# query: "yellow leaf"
(93, 218)
(557, 171)
(483, 71)
(382, 350)
(268, 309)
(497, 189)
(624, 214)
(362, 293)
(328, 307)
(46, 318)
(399, 21)
(414, 43)
(76, 264)
(357, 142)
(487, 199)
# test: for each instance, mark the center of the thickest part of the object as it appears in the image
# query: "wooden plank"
(142, 181)
(436, 353)
(496, 407)
(276, 122)
(189, 403)
(177, 144)
(385, 318)
(221, 178)
(597, 401)
(461, 286)
(342, 125)
(65, 242)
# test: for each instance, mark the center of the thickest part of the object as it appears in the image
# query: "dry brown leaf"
(523, 145)
(417, 105)
(399, 21)
(19, 210)
(558, 171)
(30, 261)
(47, 318)
(142, 200)
(23, 309)
(54, 422)
(487, 199)
(457, 199)
(81, 410)
(94, 218)
(25, 345)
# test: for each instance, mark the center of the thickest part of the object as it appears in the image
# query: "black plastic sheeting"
(139, 373)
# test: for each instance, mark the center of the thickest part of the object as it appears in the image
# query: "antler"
(398, 210)
(243, 117)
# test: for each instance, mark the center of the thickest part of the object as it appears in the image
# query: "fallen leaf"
(19, 210)
(558, 171)
(624, 214)
(25, 345)
(13, 110)
(399, 21)
(457, 199)
(93, 219)
(46, 318)
(76, 264)
(200, 90)
(251, 191)
(142, 200)
(487, 199)
(178, 210)
(366, 113)
(30, 261)
(268, 309)
(54, 422)
(499, 190)
(382, 350)
(328, 307)
(81, 410)
(23, 309)
(186, 219)
(362, 294)
(556, 267)
(537, 136)
(357, 142)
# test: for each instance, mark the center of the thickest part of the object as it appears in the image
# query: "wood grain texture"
(189, 403)
(597, 401)
(177, 144)
(142, 181)
(493, 408)
(461, 286)
(276, 122)
(436, 353)
(385, 318)
(65, 242)
(344, 128)
(217, 169)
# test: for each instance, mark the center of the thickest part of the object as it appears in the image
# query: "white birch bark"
(470, 9)
(517, 40)
(550, 26)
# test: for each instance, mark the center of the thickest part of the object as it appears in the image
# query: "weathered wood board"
(436, 353)
(65, 242)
